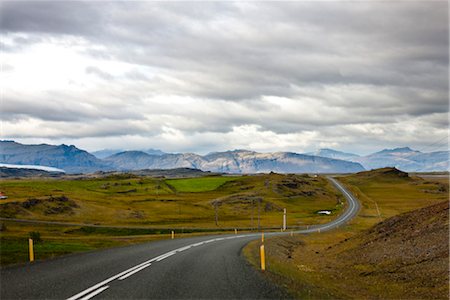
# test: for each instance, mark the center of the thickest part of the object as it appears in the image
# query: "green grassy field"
(151, 207)
(202, 184)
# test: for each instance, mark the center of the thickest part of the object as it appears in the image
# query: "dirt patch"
(410, 249)
(137, 214)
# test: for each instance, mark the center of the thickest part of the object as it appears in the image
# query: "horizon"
(201, 77)
(231, 150)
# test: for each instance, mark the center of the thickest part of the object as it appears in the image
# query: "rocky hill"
(410, 249)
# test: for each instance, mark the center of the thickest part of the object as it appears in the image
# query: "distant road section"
(209, 267)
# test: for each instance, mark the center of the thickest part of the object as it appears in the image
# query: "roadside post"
(235, 231)
(30, 247)
(173, 234)
(263, 258)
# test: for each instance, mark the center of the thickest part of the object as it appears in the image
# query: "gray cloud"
(341, 65)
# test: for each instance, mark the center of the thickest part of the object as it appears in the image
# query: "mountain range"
(237, 161)
(74, 160)
(404, 159)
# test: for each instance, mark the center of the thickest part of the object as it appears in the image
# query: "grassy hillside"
(145, 201)
(388, 192)
(150, 207)
(365, 260)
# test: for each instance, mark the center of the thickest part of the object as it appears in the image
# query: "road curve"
(208, 267)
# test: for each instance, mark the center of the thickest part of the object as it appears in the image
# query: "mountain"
(109, 152)
(105, 153)
(330, 153)
(131, 160)
(68, 158)
(237, 161)
(407, 160)
(152, 151)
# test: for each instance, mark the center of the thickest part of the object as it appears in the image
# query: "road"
(208, 267)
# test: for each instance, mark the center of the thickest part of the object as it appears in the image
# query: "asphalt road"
(208, 267)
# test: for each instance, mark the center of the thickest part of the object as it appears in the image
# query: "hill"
(23, 172)
(405, 255)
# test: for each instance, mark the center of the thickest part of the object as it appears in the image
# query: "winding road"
(207, 267)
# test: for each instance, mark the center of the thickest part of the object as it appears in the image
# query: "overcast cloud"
(209, 76)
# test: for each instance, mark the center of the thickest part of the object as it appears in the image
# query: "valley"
(113, 209)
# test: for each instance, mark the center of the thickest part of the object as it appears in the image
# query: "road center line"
(134, 271)
(96, 292)
(166, 256)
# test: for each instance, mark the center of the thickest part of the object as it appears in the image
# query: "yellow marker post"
(173, 234)
(292, 233)
(263, 258)
(319, 230)
(30, 246)
(235, 231)
(262, 237)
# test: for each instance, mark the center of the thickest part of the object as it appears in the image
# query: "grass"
(154, 202)
(202, 184)
(151, 207)
(15, 250)
(308, 275)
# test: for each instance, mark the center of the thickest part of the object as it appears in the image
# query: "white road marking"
(96, 292)
(134, 271)
(166, 255)
(184, 248)
(94, 287)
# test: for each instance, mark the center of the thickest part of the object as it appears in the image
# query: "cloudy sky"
(357, 76)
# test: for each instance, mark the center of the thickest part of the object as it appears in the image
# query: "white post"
(284, 219)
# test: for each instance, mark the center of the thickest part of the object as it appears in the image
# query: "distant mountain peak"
(398, 150)
(331, 153)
